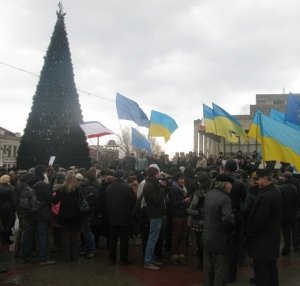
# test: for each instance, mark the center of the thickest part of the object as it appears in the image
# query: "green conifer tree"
(53, 124)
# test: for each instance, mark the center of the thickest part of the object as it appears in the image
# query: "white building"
(9, 145)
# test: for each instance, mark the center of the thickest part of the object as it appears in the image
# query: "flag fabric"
(279, 142)
(129, 110)
(139, 141)
(94, 129)
(292, 115)
(280, 117)
(227, 126)
(254, 131)
(277, 115)
(161, 125)
(209, 121)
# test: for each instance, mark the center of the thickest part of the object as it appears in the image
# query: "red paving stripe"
(187, 275)
(167, 275)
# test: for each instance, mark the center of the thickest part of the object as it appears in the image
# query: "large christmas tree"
(53, 124)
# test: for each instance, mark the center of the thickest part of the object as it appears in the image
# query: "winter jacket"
(154, 198)
(176, 206)
(289, 194)
(44, 196)
(7, 205)
(263, 231)
(218, 222)
(69, 213)
(120, 201)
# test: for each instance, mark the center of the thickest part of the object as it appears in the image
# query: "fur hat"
(224, 178)
(40, 170)
(31, 171)
(119, 173)
(231, 165)
(263, 173)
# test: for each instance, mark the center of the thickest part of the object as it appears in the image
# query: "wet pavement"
(97, 271)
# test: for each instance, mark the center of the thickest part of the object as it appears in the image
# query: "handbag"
(84, 206)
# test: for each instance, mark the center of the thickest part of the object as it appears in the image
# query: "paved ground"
(98, 272)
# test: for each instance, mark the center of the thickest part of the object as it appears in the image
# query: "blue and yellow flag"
(227, 126)
(254, 131)
(209, 121)
(279, 142)
(277, 115)
(161, 125)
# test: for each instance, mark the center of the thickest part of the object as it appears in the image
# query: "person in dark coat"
(218, 225)
(263, 230)
(69, 216)
(154, 196)
(99, 218)
(128, 163)
(196, 212)
(7, 208)
(178, 203)
(90, 192)
(38, 222)
(289, 194)
(120, 202)
(238, 196)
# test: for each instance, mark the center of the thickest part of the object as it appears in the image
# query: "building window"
(278, 101)
(9, 151)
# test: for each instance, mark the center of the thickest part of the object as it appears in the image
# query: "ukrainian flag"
(277, 115)
(161, 125)
(254, 130)
(279, 142)
(227, 126)
(209, 121)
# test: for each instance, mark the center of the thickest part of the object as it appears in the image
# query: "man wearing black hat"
(218, 224)
(263, 232)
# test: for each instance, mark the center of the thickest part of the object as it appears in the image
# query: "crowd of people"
(230, 207)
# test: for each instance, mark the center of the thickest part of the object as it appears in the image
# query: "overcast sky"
(168, 55)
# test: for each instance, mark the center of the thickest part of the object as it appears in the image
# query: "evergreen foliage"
(53, 124)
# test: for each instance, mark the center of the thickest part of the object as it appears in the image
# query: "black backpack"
(28, 202)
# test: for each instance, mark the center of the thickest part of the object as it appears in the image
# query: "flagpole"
(261, 137)
(121, 137)
(97, 154)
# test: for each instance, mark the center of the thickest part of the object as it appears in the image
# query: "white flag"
(94, 129)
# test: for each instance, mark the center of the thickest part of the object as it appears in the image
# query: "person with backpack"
(35, 202)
